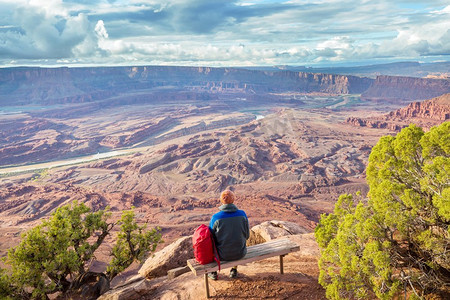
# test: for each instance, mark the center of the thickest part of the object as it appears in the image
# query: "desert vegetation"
(398, 239)
(55, 256)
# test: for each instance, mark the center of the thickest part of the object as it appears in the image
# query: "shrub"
(55, 255)
(399, 238)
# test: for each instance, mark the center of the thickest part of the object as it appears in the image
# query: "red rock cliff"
(425, 114)
(435, 109)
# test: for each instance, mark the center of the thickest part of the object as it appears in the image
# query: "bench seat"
(279, 247)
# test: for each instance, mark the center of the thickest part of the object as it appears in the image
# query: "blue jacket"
(230, 230)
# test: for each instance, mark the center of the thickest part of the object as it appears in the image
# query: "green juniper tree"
(55, 255)
(399, 238)
(133, 243)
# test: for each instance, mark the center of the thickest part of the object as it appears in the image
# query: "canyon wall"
(48, 86)
(23, 86)
(396, 88)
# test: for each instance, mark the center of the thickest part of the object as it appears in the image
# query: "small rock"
(171, 274)
(131, 290)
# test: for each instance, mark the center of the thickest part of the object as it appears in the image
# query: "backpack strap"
(216, 254)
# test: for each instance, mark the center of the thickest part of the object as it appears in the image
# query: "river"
(61, 163)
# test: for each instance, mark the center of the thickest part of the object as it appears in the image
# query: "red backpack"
(205, 251)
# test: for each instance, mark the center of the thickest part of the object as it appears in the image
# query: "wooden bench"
(279, 247)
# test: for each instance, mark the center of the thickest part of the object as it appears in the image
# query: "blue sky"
(222, 32)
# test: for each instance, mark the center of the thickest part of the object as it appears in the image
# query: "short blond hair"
(227, 197)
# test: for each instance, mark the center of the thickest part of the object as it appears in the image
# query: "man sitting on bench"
(230, 230)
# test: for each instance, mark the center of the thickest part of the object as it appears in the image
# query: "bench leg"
(281, 264)
(207, 286)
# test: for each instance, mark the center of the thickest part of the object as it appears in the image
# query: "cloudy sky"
(222, 32)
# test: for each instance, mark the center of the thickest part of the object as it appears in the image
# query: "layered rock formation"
(424, 114)
(21, 86)
(131, 85)
(393, 88)
(437, 109)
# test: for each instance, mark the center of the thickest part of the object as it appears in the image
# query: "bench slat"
(254, 253)
(279, 246)
(262, 249)
(273, 243)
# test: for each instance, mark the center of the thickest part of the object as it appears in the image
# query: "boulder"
(134, 288)
(271, 230)
(173, 256)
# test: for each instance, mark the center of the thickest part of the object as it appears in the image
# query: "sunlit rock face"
(423, 113)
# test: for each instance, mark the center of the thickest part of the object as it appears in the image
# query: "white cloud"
(48, 31)
(422, 40)
(337, 42)
(101, 30)
(51, 7)
(445, 10)
(222, 32)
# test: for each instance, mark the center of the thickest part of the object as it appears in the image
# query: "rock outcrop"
(437, 109)
(134, 288)
(374, 123)
(424, 114)
(154, 270)
(271, 230)
(173, 256)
